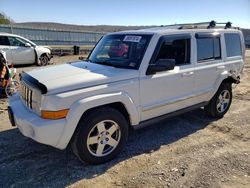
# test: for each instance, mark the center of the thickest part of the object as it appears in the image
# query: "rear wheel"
(220, 103)
(100, 136)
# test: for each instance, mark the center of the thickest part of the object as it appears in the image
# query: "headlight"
(36, 102)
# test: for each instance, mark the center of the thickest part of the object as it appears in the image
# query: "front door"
(21, 54)
(168, 91)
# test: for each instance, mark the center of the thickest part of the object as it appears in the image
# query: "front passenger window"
(177, 49)
(16, 42)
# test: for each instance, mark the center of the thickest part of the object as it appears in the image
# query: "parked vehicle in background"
(131, 78)
(20, 50)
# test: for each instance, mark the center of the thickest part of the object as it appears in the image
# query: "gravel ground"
(190, 150)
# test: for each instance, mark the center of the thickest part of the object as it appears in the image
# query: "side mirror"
(27, 45)
(161, 65)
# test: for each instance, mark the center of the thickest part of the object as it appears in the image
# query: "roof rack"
(203, 25)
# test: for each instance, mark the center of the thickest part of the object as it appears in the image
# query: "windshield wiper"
(107, 63)
(113, 64)
(88, 60)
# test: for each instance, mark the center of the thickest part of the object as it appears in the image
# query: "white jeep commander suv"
(131, 78)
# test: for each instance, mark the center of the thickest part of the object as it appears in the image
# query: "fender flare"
(39, 52)
(224, 76)
(78, 108)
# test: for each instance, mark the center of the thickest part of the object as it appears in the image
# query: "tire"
(11, 88)
(43, 60)
(96, 131)
(221, 101)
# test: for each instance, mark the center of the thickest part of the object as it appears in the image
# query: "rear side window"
(4, 41)
(208, 48)
(233, 44)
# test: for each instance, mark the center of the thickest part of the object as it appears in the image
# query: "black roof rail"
(207, 25)
(228, 25)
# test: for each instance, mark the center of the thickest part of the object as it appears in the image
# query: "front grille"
(26, 94)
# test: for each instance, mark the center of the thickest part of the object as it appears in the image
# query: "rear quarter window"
(233, 44)
(208, 49)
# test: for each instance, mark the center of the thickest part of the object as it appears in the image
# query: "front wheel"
(43, 60)
(221, 101)
(11, 88)
(100, 136)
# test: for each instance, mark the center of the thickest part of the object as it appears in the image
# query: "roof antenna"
(228, 25)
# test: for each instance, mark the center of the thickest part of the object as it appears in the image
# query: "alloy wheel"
(103, 138)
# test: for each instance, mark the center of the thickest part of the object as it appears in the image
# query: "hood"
(43, 49)
(71, 76)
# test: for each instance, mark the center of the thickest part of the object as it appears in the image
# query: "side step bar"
(149, 122)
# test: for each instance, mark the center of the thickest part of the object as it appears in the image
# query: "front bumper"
(33, 126)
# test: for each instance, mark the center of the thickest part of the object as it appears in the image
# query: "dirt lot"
(190, 150)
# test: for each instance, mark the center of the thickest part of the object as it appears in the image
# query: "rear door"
(20, 53)
(209, 64)
(5, 46)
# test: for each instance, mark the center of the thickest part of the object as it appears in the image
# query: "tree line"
(4, 19)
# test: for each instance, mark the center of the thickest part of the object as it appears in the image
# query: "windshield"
(120, 50)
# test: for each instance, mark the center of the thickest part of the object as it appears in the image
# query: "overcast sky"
(128, 12)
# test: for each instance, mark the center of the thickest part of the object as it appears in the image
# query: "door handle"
(187, 73)
(220, 67)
